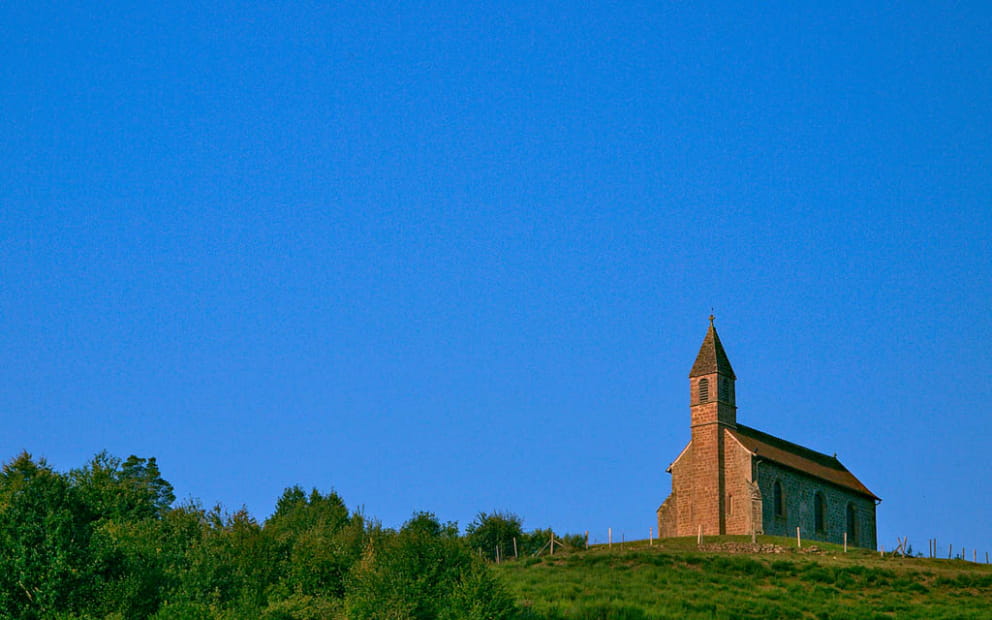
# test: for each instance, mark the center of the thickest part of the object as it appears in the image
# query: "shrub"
(495, 531)
(424, 571)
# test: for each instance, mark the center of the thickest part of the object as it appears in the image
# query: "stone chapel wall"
(737, 476)
(798, 492)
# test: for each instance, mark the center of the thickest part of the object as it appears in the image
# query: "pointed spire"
(712, 358)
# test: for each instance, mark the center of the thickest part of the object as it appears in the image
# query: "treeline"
(106, 541)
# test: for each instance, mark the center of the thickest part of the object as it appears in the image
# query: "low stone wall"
(741, 548)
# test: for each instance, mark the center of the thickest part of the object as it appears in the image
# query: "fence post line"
(799, 541)
(609, 536)
(845, 542)
(515, 556)
(699, 535)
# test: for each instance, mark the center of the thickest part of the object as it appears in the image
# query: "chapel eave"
(799, 458)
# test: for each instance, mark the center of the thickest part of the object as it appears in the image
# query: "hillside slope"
(675, 579)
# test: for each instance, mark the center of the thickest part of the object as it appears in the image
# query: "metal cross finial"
(711, 316)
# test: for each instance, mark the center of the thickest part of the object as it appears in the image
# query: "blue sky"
(450, 257)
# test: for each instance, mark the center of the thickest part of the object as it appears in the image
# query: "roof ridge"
(831, 460)
(799, 458)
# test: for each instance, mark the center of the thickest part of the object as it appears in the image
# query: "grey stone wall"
(798, 493)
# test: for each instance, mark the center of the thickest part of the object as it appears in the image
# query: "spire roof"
(712, 358)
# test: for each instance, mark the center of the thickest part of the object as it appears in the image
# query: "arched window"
(852, 525)
(819, 512)
(779, 499)
(704, 390)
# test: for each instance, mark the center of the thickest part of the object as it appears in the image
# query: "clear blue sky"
(457, 258)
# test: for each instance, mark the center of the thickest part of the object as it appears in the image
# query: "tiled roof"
(802, 459)
(712, 358)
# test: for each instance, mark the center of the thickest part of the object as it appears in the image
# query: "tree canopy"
(107, 541)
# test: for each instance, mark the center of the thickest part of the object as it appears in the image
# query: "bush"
(495, 531)
(424, 571)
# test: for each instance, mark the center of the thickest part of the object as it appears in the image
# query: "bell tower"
(711, 383)
(713, 409)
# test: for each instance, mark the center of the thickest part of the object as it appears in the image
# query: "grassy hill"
(676, 579)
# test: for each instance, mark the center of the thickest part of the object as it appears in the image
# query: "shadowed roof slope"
(712, 358)
(801, 459)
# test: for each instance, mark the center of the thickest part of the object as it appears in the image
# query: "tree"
(422, 572)
(125, 505)
(494, 531)
(132, 489)
(317, 542)
(230, 566)
(44, 536)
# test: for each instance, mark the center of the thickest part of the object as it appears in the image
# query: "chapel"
(733, 479)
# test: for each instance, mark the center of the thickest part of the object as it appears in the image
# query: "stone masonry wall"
(798, 492)
(667, 517)
(705, 473)
(737, 474)
(682, 490)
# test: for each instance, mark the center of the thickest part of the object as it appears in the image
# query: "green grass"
(672, 579)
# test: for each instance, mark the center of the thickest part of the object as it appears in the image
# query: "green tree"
(424, 571)
(230, 566)
(130, 558)
(126, 502)
(494, 533)
(316, 540)
(44, 536)
(132, 489)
